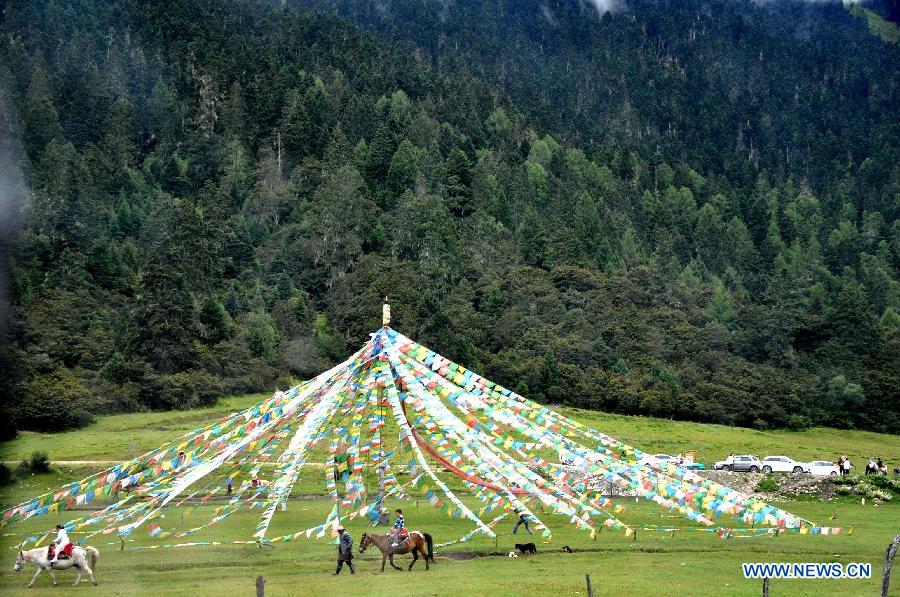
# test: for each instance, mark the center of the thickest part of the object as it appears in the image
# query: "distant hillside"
(791, 88)
(878, 25)
(216, 196)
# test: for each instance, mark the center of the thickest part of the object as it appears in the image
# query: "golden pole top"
(385, 313)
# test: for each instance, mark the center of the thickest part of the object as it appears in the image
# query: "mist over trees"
(702, 225)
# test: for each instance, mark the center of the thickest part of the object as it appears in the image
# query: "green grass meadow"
(651, 563)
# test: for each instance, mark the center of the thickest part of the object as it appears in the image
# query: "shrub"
(187, 389)
(53, 402)
(767, 484)
(885, 483)
(260, 335)
(882, 488)
(39, 462)
(5, 475)
(797, 422)
(115, 369)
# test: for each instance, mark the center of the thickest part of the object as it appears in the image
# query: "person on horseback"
(399, 530)
(62, 539)
(345, 551)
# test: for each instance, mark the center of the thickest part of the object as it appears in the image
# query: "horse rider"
(345, 551)
(399, 527)
(62, 539)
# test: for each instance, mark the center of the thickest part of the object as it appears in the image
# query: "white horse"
(38, 557)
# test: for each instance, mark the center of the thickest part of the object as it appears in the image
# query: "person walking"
(345, 551)
(523, 519)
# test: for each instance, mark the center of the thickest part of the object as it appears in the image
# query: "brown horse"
(416, 544)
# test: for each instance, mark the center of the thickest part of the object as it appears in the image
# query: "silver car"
(745, 463)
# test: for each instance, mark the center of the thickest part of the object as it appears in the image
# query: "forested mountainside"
(790, 87)
(214, 197)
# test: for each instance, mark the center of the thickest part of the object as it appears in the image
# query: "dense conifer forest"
(679, 209)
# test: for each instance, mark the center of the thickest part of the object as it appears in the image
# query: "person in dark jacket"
(345, 551)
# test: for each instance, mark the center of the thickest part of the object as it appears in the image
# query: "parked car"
(823, 468)
(783, 464)
(745, 463)
(658, 459)
(664, 459)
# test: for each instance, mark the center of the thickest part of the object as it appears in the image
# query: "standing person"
(523, 519)
(847, 466)
(399, 527)
(730, 461)
(345, 551)
(62, 539)
(229, 488)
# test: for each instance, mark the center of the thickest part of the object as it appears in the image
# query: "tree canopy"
(684, 210)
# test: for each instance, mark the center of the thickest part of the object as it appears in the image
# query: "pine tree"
(380, 153)
(532, 239)
(39, 115)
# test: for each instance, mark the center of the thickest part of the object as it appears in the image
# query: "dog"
(513, 554)
(526, 548)
(567, 549)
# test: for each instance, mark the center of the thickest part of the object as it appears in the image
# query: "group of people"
(844, 465)
(397, 535)
(876, 466)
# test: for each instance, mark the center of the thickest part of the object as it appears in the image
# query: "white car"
(659, 459)
(823, 468)
(783, 464)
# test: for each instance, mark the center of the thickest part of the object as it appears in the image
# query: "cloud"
(12, 191)
(604, 6)
(548, 15)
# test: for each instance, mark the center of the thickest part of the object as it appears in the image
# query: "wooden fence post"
(766, 587)
(260, 586)
(590, 592)
(888, 562)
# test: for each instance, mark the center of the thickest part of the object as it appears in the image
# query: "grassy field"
(686, 563)
(119, 437)
(652, 563)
